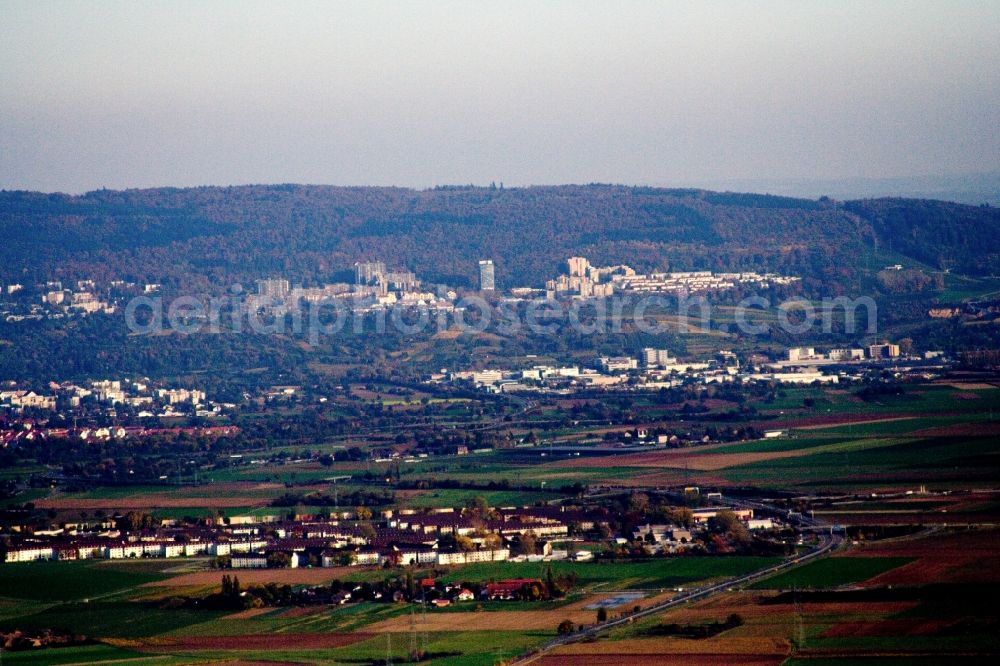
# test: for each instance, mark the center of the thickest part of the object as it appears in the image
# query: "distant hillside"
(968, 188)
(211, 236)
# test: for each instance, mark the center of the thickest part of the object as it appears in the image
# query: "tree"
(464, 543)
(565, 627)
(278, 560)
(363, 513)
(133, 521)
(477, 506)
(906, 346)
(729, 524)
(638, 502)
(602, 614)
(527, 543)
(492, 541)
(682, 516)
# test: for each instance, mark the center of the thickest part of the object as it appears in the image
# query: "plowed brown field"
(287, 576)
(485, 621)
(655, 659)
(700, 459)
(947, 557)
(254, 642)
(681, 646)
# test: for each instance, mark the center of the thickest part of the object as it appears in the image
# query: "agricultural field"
(934, 435)
(125, 498)
(457, 498)
(938, 436)
(75, 581)
(654, 574)
(130, 619)
(82, 654)
(252, 576)
(926, 599)
(831, 572)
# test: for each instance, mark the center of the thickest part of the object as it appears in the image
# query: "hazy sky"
(136, 94)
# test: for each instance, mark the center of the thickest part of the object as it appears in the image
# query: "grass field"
(70, 581)
(832, 572)
(76, 655)
(474, 648)
(110, 619)
(457, 498)
(889, 462)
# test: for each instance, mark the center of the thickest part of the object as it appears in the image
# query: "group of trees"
(135, 521)
(234, 596)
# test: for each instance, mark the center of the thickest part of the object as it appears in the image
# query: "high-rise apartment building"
(487, 277)
(273, 288)
(578, 266)
(369, 272)
(654, 357)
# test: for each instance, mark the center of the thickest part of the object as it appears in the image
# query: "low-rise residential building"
(462, 557)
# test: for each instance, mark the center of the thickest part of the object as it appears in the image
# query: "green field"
(352, 617)
(960, 287)
(831, 572)
(472, 648)
(74, 655)
(889, 461)
(70, 581)
(457, 498)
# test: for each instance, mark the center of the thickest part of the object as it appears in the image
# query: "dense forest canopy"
(210, 237)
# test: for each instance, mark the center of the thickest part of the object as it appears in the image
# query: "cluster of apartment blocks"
(404, 538)
(82, 297)
(876, 351)
(374, 286)
(697, 281)
(116, 550)
(56, 302)
(136, 394)
(586, 281)
(27, 432)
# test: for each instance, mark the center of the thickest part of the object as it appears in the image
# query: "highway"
(828, 541)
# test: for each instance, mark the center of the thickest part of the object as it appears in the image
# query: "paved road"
(827, 543)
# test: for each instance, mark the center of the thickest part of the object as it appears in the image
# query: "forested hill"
(211, 236)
